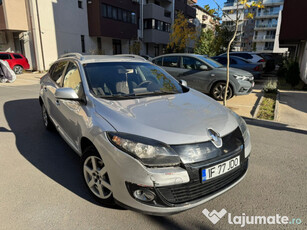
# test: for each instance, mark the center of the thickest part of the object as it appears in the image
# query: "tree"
(236, 20)
(223, 35)
(206, 43)
(181, 34)
(135, 48)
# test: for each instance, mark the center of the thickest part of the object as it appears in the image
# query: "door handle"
(57, 102)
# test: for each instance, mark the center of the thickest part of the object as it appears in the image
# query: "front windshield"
(127, 79)
(210, 61)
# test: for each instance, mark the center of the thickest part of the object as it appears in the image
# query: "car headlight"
(150, 152)
(241, 77)
(242, 125)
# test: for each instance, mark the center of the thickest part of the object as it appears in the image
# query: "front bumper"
(245, 87)
(176, 189)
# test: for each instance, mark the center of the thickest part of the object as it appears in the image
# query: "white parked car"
(250, 56)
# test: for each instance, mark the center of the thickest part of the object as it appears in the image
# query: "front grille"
(179, 194)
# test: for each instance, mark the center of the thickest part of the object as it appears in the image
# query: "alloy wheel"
(96, 177)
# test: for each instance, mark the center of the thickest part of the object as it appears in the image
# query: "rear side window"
(243, 55)
(5, 56)
(240, 61)
(171, 61)
(58, 71)
(17, 56)
(158, 61)
(221, 60)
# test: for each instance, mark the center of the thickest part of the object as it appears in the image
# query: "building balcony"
(10, 10)
(265, 27)
(156, 36)
(152, 10)
(183, 6)
(267, 15)
(273, 2)
(264, 38)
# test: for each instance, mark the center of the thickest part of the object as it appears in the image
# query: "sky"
(211, 3)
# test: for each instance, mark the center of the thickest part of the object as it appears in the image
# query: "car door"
(7, 57)
(72, 113)
(49, 88)
(171, 65)
(192, 73)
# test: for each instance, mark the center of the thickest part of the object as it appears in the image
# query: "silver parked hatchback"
(146, 141)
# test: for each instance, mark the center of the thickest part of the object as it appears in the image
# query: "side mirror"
(183, 82)
(67, 94)
(203, 67)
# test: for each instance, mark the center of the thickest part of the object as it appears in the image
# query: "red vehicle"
(17, 61)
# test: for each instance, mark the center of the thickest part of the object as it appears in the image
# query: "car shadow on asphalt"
(273, 125)
(45, 150)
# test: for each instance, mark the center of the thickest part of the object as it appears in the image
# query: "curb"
(257, 108)
(276, 106)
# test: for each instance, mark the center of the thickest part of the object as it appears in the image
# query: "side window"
(191, 63)
(72, 79)
(158, 61)
(5, 56)
(58, 71)
(17, 56)
(171, 61)
(233, 61)
(222, 60)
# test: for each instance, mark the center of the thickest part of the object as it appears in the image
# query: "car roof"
(104, 58)
(180, 54)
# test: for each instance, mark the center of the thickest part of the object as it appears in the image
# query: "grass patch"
(267, 107)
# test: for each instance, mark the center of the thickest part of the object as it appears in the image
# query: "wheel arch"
(84, 143)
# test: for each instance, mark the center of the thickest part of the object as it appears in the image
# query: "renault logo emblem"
(215, 138)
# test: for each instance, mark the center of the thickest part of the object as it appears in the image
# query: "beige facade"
(204, 19)
(13, 15)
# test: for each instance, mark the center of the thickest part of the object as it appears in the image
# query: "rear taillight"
(257, 68)
(261, 60)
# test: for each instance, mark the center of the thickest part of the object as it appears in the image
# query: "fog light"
(144, 195)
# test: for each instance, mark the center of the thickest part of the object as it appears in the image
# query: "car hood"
(172, 119)
(233, 71)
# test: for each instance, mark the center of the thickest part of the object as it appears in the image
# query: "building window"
(82, 44)
(118, 14)
(156, 24)
(99, 44)
(117, 46)
(80, 4)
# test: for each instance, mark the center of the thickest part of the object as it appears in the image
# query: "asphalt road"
(41, 187)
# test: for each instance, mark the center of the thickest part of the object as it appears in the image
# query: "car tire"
(218, 91)
(18, 69)
(46, 119)
(95, 177)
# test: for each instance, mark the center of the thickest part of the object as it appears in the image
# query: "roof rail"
(131, 56)
(76, 55)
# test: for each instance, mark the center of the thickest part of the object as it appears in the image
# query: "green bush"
(270, 87)
(293, 74)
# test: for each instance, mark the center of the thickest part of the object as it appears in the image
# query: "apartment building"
(267, 27)
(11, 29)
(204, 19)
(259, 34)
(43, 30)
(230, 8)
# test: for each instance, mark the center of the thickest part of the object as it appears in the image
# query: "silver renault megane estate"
(146, 141)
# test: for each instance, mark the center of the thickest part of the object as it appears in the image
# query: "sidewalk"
(245, 105)
(26, 78)
(293, 108)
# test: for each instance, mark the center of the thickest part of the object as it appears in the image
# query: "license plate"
(220, 169)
